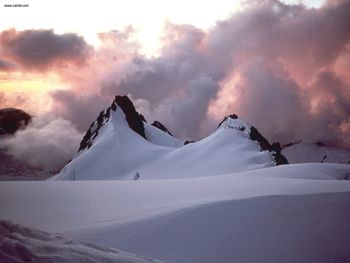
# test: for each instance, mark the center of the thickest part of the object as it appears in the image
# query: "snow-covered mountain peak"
(120, 144)
(125, 110)
(233, 122)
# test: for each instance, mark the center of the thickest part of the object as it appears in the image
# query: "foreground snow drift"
(290, 213)
(305, 228)
(25, 244)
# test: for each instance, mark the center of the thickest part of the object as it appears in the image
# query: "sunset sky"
(283, 66)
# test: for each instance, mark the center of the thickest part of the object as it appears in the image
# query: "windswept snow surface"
(25, 244)
(289, 213)
(315, 153)
(118, 153)
(223, 200)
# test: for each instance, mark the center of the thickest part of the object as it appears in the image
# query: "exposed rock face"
(11, 120)
(276, 152)
(160, 126)
(92, 132)
(134, 119)
(255, 135)
(188, 142)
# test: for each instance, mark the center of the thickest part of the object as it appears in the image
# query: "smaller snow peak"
(160, 126)
(134, 119)
(232, 122)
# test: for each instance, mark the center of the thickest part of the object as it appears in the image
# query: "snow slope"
(118, 152)
(315, 153)
(25, 244)
(223, 200)
(289, 213)
(159, 137)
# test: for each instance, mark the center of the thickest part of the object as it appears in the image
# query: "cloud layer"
(45, 143)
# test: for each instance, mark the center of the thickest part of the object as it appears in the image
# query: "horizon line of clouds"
(285, 69)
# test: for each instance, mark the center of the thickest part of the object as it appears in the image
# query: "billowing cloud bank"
(285, 69)
(47, 144)
(40, 49)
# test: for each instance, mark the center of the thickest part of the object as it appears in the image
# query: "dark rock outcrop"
(276, 152)
(188, 142)
(290, 144)
(12, 120)
(134, 119)
(160, 126)
(255, 135)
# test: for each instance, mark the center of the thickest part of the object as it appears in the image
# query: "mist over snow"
(283, 68)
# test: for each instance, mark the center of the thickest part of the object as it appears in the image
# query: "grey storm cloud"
(332, 111)
(80, 110)
(270, 99)
(40, 49)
